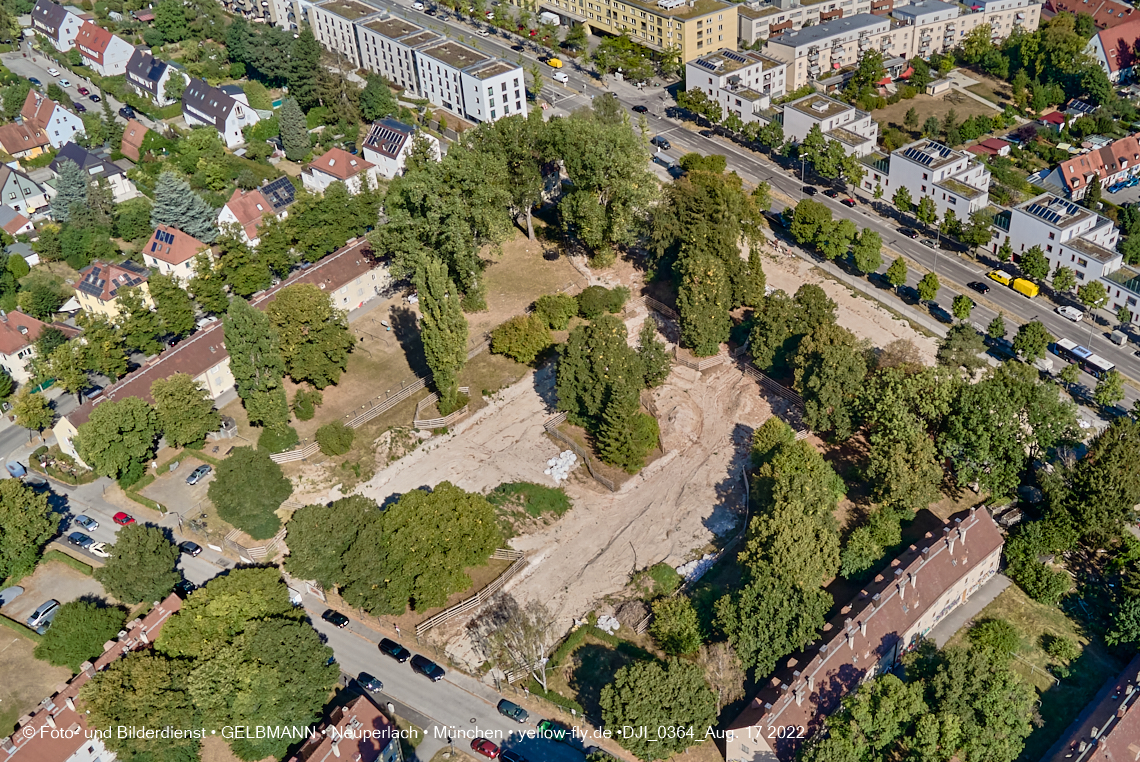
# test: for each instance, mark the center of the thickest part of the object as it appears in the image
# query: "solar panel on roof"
(705, 64)
(154, 246)
(734, 56)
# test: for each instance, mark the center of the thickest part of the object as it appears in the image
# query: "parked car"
(369, 683)
(909, 232)
(93, 97)
(930, 242)
(127, 112)
(9, 594)
(79, 107)
(198, 474)
(639, 109)
(83, 90)
(1070, 313)
(553, 730)
(122, 519)
(35, 81)
(389, 647)
(485, 748)
(44, 612)
(86, 522)
(507, 755)
(849, 202)
(99, 549)
(831, 193)
(513, 710)
(660, 142)
(190, 548)
(418, 6)
(53, 72)
(184, 587)
(978, 286)
(808, 190)
(427, 668)
(335, 618)
(79, 540)
(65, 83)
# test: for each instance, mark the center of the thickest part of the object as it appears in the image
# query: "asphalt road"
(36, 66)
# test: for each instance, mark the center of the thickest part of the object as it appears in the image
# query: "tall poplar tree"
(255, 361)
(444, 330)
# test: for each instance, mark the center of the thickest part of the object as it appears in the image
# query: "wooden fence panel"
(482, 596)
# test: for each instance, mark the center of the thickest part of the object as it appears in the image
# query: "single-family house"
(97, 167)
(13, 223)
(388, 144)
(148, 76)
(107, 54)
(1054, 120)
(58, 24)
(59, 124)
(18, 334)
(172, 252)
(21, 192)
(248, 209)
(23, 141)
(100, 284)
(1115, 49)
(358, 731)
(133, 136)
(991, 147)
(207, 106)
(337, 165)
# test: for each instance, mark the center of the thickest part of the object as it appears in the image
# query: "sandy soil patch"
(24, 679)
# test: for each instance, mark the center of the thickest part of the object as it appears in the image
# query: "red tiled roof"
(995, 143)
(18, 330)
(340, 164)
(94, 39)
(17, 138)
(249, 207)
(356, 731)
(206, 348)
(173, 246)
(13, 226)
(1055, 117)
(1105, 13)
(103, 281)
(1119, 43)
(34, 742)
(1115, 717)
(133, 136)
(1118, 155)
(870, 629)
(37, 109)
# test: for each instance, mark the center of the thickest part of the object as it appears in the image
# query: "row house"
(59, 125)
(1105, 13)
(226, 109)
(1109, 727)
(1117, 161)
(868, 637)
(957, 181)
(742, 83)
(105, 53)
(148, 76)
(18, 334)
(60, 25)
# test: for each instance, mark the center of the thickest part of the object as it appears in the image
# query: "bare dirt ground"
(863, 317)
(52, 580)
(24, 680)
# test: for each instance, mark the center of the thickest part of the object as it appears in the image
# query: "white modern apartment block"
(1070, 235)
(855, 130)
(58, 24)
(760, 20)
(470, 84)
(334, 26)
(743, 83)
(388, 47)
(955, 180)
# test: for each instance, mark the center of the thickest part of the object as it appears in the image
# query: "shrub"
(305, 402)
(277, 440)
(675, 626)
(997, 635)
(556, 310)
(535, 499)
(39, 452)
(597, 300)
(335, 438)
(521, 338)
(1062, 649)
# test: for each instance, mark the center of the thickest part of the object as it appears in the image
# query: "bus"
(1095, 365)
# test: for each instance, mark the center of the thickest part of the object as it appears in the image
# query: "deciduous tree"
(1064, 279)
(962, 306)
(770, 618)
(78, 632)
(444, 332)
(26, 524)
(1034, 264)
(1093, 295)
(255, 361)
(312, 334)
(32, 410)
(320, 536)
(654, 695)
(173, 305)
(829, 372)
(248, 489)
(1109, 389)
(138, 324)
(185, 412)
(867, 251)
(118, 437)
(516, 636)
(142, 568)
(962, 348)
(896, 273)
(928, 287)
(1032, 340)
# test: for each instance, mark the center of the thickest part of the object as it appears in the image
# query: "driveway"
(51, 580)
(171, 491)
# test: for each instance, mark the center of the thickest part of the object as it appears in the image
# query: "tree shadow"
(405, 325)
(543, 380)
(596, 666)
(729, 509)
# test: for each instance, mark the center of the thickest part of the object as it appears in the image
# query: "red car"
(83, 91)
(122, 519)
(485, 747)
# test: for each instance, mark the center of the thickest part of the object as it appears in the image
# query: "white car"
(560, 76)
(53, 72)
(418, 6)
(99, 549)
(64, 83)
(1071, 313)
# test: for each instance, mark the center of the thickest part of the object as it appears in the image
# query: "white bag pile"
(560, 467)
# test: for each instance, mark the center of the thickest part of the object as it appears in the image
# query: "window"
(1082, 262)
(1052, 236)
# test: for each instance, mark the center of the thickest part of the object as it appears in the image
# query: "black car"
(395, 650)
(909, 233)
(79, 540)
(184, 588)
(517, 48)
(639, 109)
(430, 11)
(831, 193)
(369, 683)
(335, 618)
(94, 97)
(849, 202)
(512, 710)
(190, 548)
(427, 668)
(980, 287)
(808, 190)
(508, 755)
(79, 107)
(660, 142)
(127, 112)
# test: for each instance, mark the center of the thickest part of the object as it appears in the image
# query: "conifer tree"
(176, 205)
(71, 190)
(303, 69)
(255, 361)
(294, 135)
(753, 280)
(703, 301)
(444, 331)
(627, 435)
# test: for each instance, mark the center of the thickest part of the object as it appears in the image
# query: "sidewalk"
(958, 618)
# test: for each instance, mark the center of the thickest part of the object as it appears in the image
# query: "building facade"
(761, 20)
(1115, 50)
(1117, 161)
(57, 23)
(388, 47)
(338, 165)
(207, 106)
(743, 83)
(388, 144)
(957, 181)
(148, 76)
(59, 125)
(18, 334)
(171, 252)
(855, 130)
(21, 192)
(334, 26)
(23, 141)
(107, 54)
(122, 189)
(470, 84)
(868, 636)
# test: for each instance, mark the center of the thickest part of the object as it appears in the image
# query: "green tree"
(928, 287)
(248, 489)
(71, 190)
(556, 310)
(770, 618)
(78, 632)
(313, 335)
(173, 305)
(255, 361)
(910, 121)
(104, 349)
(26, 525)
(1109, 389)
(675, 626)
(142, 568)
(626, 435)
(170, 20)
(176, 205)
(962, 306)
(118, 438)
(522, 338)
(174, 88)
(377, 100)
(997, 635)
(1093, 193)
(902, 200)
(897, 272)
(67, 364)
(1032, 340)
(138, 324)
(834, 238)
(303, 69)
(1093, 295)
(808, 218)
(1034, 264)
(962, 348)
(926, 212)
(867, 251)
(1124, 316)
(996, 329)
(294, 134)
(32, 411)
(1070, 374)
(1125, 623)
(1005, 253)
(931, 126)
(1064, 279)
(703, 300)
(829, 372)
(444, 332)
(655, 361)
(596, 365)
(321, 535)
(652, 695)
(417, 552)
(335, 438)
(185, 412)
(208, 286)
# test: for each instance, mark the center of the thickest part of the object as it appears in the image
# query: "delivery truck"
(546, 17)
(1026, 287)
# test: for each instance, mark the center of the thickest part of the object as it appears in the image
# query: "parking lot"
(51, 580)
(1123, 196)
(171, 491)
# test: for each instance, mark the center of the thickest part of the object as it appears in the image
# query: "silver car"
(198, 474)
(87, 522)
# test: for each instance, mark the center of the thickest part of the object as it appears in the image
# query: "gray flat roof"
(923, 7)
(827, 29)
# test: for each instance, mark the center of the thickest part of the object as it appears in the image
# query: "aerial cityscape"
(569, 381)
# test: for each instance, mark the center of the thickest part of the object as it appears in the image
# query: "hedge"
(20, 629)
(66, 560)
(555, 698)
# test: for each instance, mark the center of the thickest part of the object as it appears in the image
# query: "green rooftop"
(699, 8)
(348, 9)
(959, 187)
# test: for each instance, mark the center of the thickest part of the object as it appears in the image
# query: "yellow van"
(1001, 276)
(554, 63)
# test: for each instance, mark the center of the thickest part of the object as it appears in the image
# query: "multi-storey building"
(334, 26)
(868, 637)
(692, 27)
(855, 130)
(814, 51)
(470, 84)
(1114, 49)
(23, 141)
(100, 284)
(761, 20)
(743, 83)
(1068, 234)
(1105, 13)
(1112, 163)
(955, 180)
(58, 24)
(107, 54)
(388, 47)
(226, 109)
(57, 123)
(172, 252)
(148, 76)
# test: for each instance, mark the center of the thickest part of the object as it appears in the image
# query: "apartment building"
(815, 51)
(743, 83)
(148, 76)
(470, 84)
(1108, 729)
(693, 27)
(855, 130)
(57, 123)
(956, 180)
(868, 636)
(1070, 235)
(226, 109)
(107, 54)
(387, 47)
(100, 284)
(334, 26)
(58, 24)
(760, 20)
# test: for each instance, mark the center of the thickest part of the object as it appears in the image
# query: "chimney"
(783, 687)
(336, 748)
(800, 694)
(87, 668)
(143, 637)
(847, 624)
(949, 539)
(876, 600)
(863, 627)
(914, 579)
(926, 554)
(1134, 750)
(811, 682)
(70, 704)
(8, 746)
(50, 720)
(902, 589)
